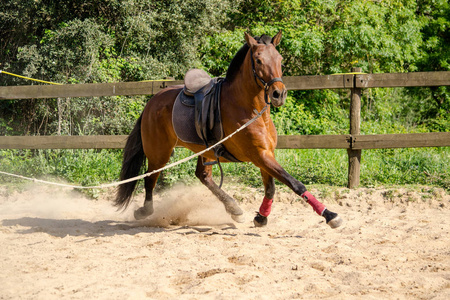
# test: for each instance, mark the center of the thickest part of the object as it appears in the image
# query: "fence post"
(354, 156)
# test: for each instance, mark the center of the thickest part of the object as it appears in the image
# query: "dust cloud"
(180, 205)
(187, 205)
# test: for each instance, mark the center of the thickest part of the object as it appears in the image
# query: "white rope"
(103, 186)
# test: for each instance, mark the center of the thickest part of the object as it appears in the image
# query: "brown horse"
(253, 80)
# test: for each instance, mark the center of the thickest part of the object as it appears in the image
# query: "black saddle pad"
(183, 120)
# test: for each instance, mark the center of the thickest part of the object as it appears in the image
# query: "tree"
(98, 41)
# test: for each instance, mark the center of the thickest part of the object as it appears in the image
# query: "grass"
(80, 167)
(421, 166)
(427, 166)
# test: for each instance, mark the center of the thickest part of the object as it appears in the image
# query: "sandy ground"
(56, 243)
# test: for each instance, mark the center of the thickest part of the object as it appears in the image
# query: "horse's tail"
(133, 162)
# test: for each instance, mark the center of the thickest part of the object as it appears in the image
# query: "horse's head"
(266, 65)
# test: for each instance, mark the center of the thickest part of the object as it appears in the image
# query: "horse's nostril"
(276, 94)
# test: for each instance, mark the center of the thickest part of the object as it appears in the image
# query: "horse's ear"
(250, 40)
(276, 39)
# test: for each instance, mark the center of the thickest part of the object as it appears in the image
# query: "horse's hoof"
(336, 222)
(142, 213)
(260, 220)
(238, 218)
(332, 218)
(234, 210)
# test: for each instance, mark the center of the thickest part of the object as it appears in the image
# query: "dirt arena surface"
(57, 243)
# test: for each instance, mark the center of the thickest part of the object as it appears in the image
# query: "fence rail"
(357, 142)
(353, 142)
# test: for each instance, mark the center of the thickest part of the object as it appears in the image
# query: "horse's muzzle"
(278, 95)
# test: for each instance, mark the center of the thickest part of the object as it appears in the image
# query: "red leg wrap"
(266, 207)
(316, 205)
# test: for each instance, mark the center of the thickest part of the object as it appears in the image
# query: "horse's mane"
(238, 59)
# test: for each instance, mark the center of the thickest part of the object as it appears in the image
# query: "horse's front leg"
(268, 164)
(204, 173)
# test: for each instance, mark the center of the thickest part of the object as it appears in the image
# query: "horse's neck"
(244, 92)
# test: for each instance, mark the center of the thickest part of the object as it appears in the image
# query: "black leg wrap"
(260, 220)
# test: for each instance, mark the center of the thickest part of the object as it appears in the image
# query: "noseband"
(265, 84)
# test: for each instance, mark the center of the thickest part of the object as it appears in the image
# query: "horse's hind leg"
(158, 160)
(204, 173)
(147, 209)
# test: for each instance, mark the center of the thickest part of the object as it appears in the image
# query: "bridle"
(266, 85)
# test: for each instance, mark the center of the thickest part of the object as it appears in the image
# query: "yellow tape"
(157, 80)
(352, 73)
(28, 78)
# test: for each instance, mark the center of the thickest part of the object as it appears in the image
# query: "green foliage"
(160, 38)
(218, 51)
(296, 118)
(332, 36)
(84, 42)
(435, 54)
(68, 55)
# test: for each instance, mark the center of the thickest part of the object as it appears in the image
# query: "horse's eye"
(258, 61)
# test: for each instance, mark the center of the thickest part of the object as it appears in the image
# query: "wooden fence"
(354, 142)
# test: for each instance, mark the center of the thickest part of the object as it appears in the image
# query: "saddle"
(196, 116)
